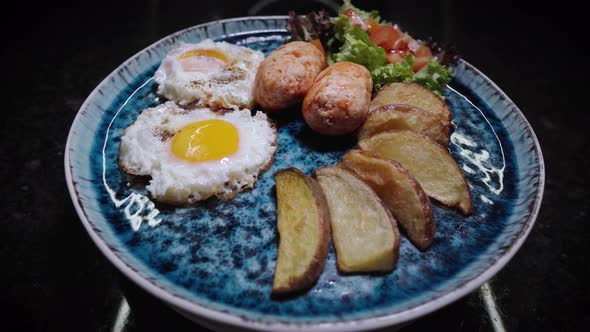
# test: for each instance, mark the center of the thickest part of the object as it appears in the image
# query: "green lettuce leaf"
(356, 46)
(434, 77)
(399, 72)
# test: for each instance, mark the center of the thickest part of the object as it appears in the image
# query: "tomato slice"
(423, 51)
(385, 37)
(372, 25)
(394, 57)
(414, 45)
(396, 43)
(402, 43)
(420, 63)
(423, 56)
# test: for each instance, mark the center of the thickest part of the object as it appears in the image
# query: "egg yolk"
(204, 61)
(209, 53)
(205, 140)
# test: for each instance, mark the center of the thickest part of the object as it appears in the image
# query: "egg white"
(231, 87)
(146, 150)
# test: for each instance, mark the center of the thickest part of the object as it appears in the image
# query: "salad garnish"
(390, 54)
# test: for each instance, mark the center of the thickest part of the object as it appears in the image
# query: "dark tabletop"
(53, 278)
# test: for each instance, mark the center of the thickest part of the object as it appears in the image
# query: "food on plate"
(399, 191)
(401, 116)
(429, 162)
(390, 54)
(414, 95)
(364, 232)
(303, 222)
(212, 74)
(398, 44)
(286, 75)
(338, 101)
(192, 154)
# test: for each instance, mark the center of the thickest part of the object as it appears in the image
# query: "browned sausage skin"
(338, 101)
(286, 75)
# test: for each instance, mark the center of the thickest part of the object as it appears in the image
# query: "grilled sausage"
(286, 75)
(338, 101)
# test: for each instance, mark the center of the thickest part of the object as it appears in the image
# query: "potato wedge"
(304, 230)
(411, 94)
(364, 232)
(430, 163)
(399, 191)
(400, 116)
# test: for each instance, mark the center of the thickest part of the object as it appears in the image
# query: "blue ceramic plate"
(215, 261)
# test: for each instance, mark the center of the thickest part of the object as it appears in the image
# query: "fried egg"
(212, 74)
(198, 153)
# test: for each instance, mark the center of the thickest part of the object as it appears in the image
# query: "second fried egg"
(212, 74)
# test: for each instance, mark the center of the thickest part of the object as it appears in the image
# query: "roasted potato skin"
(412, 94)
(385, 262)
(399, 192)
(285, 76)
(429, 162)
(338, 101)
(316, 266)
(402, 116)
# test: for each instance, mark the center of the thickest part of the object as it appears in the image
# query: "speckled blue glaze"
(221, 255)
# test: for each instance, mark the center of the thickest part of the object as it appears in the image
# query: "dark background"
(53, 278)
